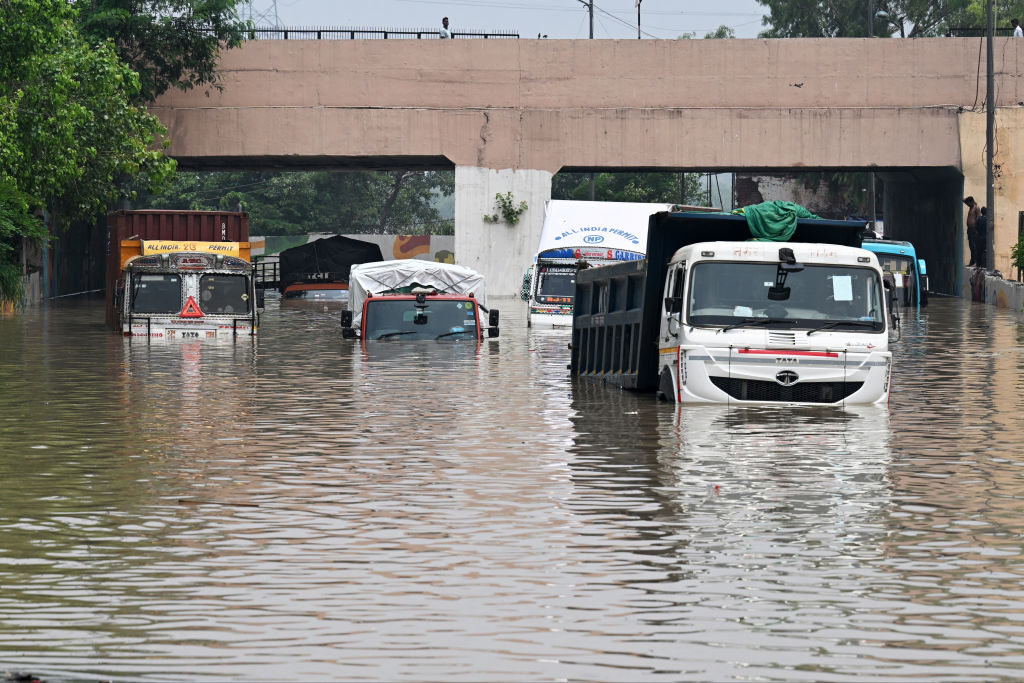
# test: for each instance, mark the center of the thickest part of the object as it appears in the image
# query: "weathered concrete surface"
(545, 105)
(980, 285)
(548, 104)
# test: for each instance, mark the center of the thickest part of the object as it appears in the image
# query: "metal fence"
(976, 32)
(333, 33)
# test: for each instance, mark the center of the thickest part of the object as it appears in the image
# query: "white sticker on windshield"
(743, 311)
(899, 279)
(842, 287)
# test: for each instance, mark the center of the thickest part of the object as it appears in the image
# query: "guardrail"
(976, 32)
(332, 33)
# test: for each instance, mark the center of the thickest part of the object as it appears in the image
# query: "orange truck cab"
(414, 300)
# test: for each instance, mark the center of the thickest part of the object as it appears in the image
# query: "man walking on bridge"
(444, 32)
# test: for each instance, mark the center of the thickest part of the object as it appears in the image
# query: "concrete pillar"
(501, 252)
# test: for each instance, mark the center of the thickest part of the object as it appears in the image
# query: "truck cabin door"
(673, 303)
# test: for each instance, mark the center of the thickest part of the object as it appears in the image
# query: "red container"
(159, 224)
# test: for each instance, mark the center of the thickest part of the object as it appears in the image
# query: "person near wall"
(982, 238)
(1017, 31)
(973, 212)
(444, 32)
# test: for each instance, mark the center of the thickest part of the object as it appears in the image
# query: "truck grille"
(804, 392)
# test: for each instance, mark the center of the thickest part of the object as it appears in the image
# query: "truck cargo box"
(616, 314)
(160, 224)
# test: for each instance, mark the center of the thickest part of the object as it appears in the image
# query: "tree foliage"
(669, 188)
(69, 131)
(849, 18)
(169, 43)
(299, 203)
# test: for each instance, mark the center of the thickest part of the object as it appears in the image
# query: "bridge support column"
(500, 251)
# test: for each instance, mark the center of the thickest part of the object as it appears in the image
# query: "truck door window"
(156, 293)
(222, 294)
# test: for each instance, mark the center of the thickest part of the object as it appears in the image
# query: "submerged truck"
(181, 275)
(910, 274)
(412, 299)
(320, 269)
(579, 234)
(712, 316)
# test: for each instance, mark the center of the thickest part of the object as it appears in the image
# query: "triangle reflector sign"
(191, 310)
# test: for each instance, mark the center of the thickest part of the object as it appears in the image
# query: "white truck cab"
(766, 322)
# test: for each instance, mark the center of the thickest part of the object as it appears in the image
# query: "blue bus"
(900, 259)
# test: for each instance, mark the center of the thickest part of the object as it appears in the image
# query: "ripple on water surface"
(298, 508)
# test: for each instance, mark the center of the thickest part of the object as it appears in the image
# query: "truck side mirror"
(346, 319)
(261, 298)
(673, 304)
(921, 268)
(492, 323)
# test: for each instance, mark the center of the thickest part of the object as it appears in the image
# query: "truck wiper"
(752, 322)
(836, 323)
(448, 334)
(393, 334)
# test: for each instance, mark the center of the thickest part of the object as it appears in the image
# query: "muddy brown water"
(297, 509)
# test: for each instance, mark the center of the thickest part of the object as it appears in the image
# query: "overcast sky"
(555, 18)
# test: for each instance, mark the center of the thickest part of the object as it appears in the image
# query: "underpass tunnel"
(925, 207)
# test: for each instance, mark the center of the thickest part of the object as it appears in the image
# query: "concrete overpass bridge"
(507, 115)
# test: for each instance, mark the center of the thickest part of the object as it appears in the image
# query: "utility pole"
(638, 18)
(590, 6)
(990, 125)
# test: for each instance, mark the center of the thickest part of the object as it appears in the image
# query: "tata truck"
(179, 275)
(711, 315)
(417, 300)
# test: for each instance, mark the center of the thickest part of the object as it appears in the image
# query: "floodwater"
(295, 509)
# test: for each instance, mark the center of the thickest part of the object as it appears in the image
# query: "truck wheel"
(666, 388)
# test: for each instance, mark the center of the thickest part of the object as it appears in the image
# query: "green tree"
(293, 203)
(849, 18)
(722, 31)
(669, 188)
(69, 131)
(169, 43)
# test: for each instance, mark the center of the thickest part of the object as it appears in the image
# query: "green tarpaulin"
(773, 221)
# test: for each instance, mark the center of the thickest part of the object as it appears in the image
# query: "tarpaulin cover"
(403, 275)
(329, 259)
(773, 221)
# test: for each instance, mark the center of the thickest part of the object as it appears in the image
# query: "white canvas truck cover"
(391, 276)
(595, 229)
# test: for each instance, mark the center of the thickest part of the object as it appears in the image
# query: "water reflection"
(299, 508)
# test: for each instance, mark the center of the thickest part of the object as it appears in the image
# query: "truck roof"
(400, 276)
(769, 251)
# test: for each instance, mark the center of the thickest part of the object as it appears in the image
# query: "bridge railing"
(976, 32)
(331, 33)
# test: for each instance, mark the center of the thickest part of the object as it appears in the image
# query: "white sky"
(556, 18)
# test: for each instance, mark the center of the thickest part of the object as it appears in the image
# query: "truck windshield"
(896, 263)
(156, 293)
(723, 294)
(443, 319)
(222, 294)
(556, 284)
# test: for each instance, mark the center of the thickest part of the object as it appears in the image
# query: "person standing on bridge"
(1017, 32)
(444, 32)
(973, 213)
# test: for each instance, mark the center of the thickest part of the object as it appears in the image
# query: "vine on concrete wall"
(505, 209)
